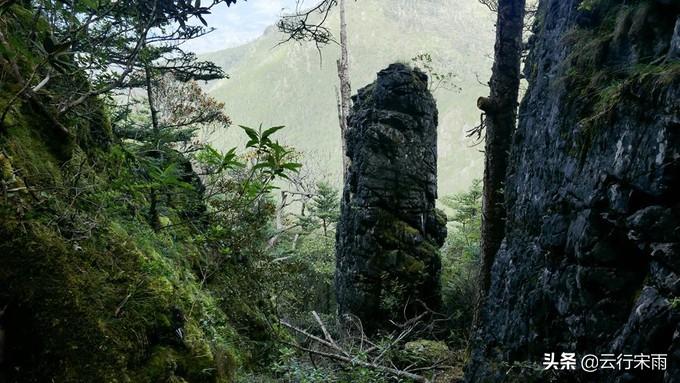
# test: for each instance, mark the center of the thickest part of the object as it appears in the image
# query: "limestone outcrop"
(389, 234)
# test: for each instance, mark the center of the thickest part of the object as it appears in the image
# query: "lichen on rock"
(389, 235)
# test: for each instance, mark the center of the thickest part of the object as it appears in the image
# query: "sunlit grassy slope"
(291, 85)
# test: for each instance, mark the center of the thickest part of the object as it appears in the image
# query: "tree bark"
(345, 86)
(155, 125)
(501, 115)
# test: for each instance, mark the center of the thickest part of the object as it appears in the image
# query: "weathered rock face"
(591, 258)
(389, 234)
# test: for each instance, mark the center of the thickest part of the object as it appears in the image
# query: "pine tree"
(325, 206)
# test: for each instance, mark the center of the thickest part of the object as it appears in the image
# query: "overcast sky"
(240, 23)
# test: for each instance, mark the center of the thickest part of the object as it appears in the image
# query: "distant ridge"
(289, 85)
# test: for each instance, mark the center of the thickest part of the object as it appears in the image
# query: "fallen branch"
(340, 355)
(308, 335)
(358, 362)
(326, 334)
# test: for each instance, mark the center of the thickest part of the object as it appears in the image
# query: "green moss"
(675, 303)
(588, 5)
(121, 299)
(166, 362)
(6, 169)
(597, 84)
(30, 153)
(392, 232)
(440, 217)
(161, 367)
(412, 265)
(427, 349)
(95, 294)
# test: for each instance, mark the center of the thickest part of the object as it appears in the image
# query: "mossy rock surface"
(93, 293)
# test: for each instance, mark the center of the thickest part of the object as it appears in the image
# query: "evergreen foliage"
(460, 260)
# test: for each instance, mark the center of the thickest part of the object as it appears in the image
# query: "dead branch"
(299, 26)
(345, 96)
(378, 362)
(477, 130)
(356, 362)
(26, 90)
(491, 4)
(326, 334)
(308, 335)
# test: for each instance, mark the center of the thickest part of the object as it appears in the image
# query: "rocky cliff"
(389, 234)
(591, 258)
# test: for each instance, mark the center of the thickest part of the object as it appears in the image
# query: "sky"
(240, 23)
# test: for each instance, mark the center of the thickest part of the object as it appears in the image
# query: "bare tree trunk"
(152, 104)
(345, 86)
(279, 219)
(153, 205)
(501, 114)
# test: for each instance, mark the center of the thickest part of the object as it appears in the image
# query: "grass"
(598, 84)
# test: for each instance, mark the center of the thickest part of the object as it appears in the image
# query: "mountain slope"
(292, 85)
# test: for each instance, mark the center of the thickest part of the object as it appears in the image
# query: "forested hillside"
(300, 82)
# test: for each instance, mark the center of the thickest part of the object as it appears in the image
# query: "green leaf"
(252, 133)
(277, 148)
(294, 166)
(271, 131)
(263, 165)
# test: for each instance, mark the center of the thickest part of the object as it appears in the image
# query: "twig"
(42, 83)
(28, 92)
(122, 304)
(308, 335)
(326, 334)
(356, 362)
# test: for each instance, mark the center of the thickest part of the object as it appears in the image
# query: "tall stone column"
(389, 233)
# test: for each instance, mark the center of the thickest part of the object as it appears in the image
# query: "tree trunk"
(152, 104)
(345, 86)
(279, 220)
(501, 116)
(154, 218)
